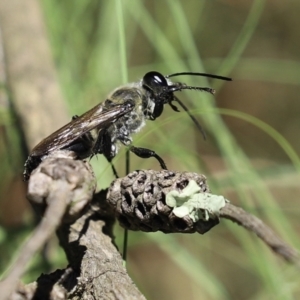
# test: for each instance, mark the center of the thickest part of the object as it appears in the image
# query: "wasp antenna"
(180, 87)
(199, 127)
(200, 74)
(198, 88)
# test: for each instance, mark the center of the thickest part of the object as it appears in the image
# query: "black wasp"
(111, 123)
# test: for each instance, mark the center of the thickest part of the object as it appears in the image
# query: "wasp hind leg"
(31, 163)
(147, 153)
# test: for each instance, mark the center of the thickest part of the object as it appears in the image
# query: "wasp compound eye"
(154, 79)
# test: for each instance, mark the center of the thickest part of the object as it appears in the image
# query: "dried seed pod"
(139, 201)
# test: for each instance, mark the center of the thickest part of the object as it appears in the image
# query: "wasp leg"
(31, 163)
(81, 148)
(147, 153)
(114, 170)
(103, 146)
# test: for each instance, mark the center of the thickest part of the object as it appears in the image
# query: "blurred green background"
(251, 155)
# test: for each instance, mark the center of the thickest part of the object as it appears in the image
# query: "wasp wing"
(99, 116)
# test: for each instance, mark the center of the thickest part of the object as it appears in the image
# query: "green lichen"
(194, 203)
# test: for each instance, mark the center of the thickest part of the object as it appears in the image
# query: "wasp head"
(157, 85)
(162, 90)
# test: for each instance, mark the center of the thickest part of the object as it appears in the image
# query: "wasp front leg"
(147, 153)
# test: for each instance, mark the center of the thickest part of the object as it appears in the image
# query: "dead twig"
(63, 187)
(139, 202)
(31, 75)
(265, 233)
(60, 187)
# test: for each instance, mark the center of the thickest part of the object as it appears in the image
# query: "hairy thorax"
(122, 130)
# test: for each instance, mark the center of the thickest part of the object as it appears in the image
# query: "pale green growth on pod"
(194, 203)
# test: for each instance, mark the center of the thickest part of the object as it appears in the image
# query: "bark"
(62, 189)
